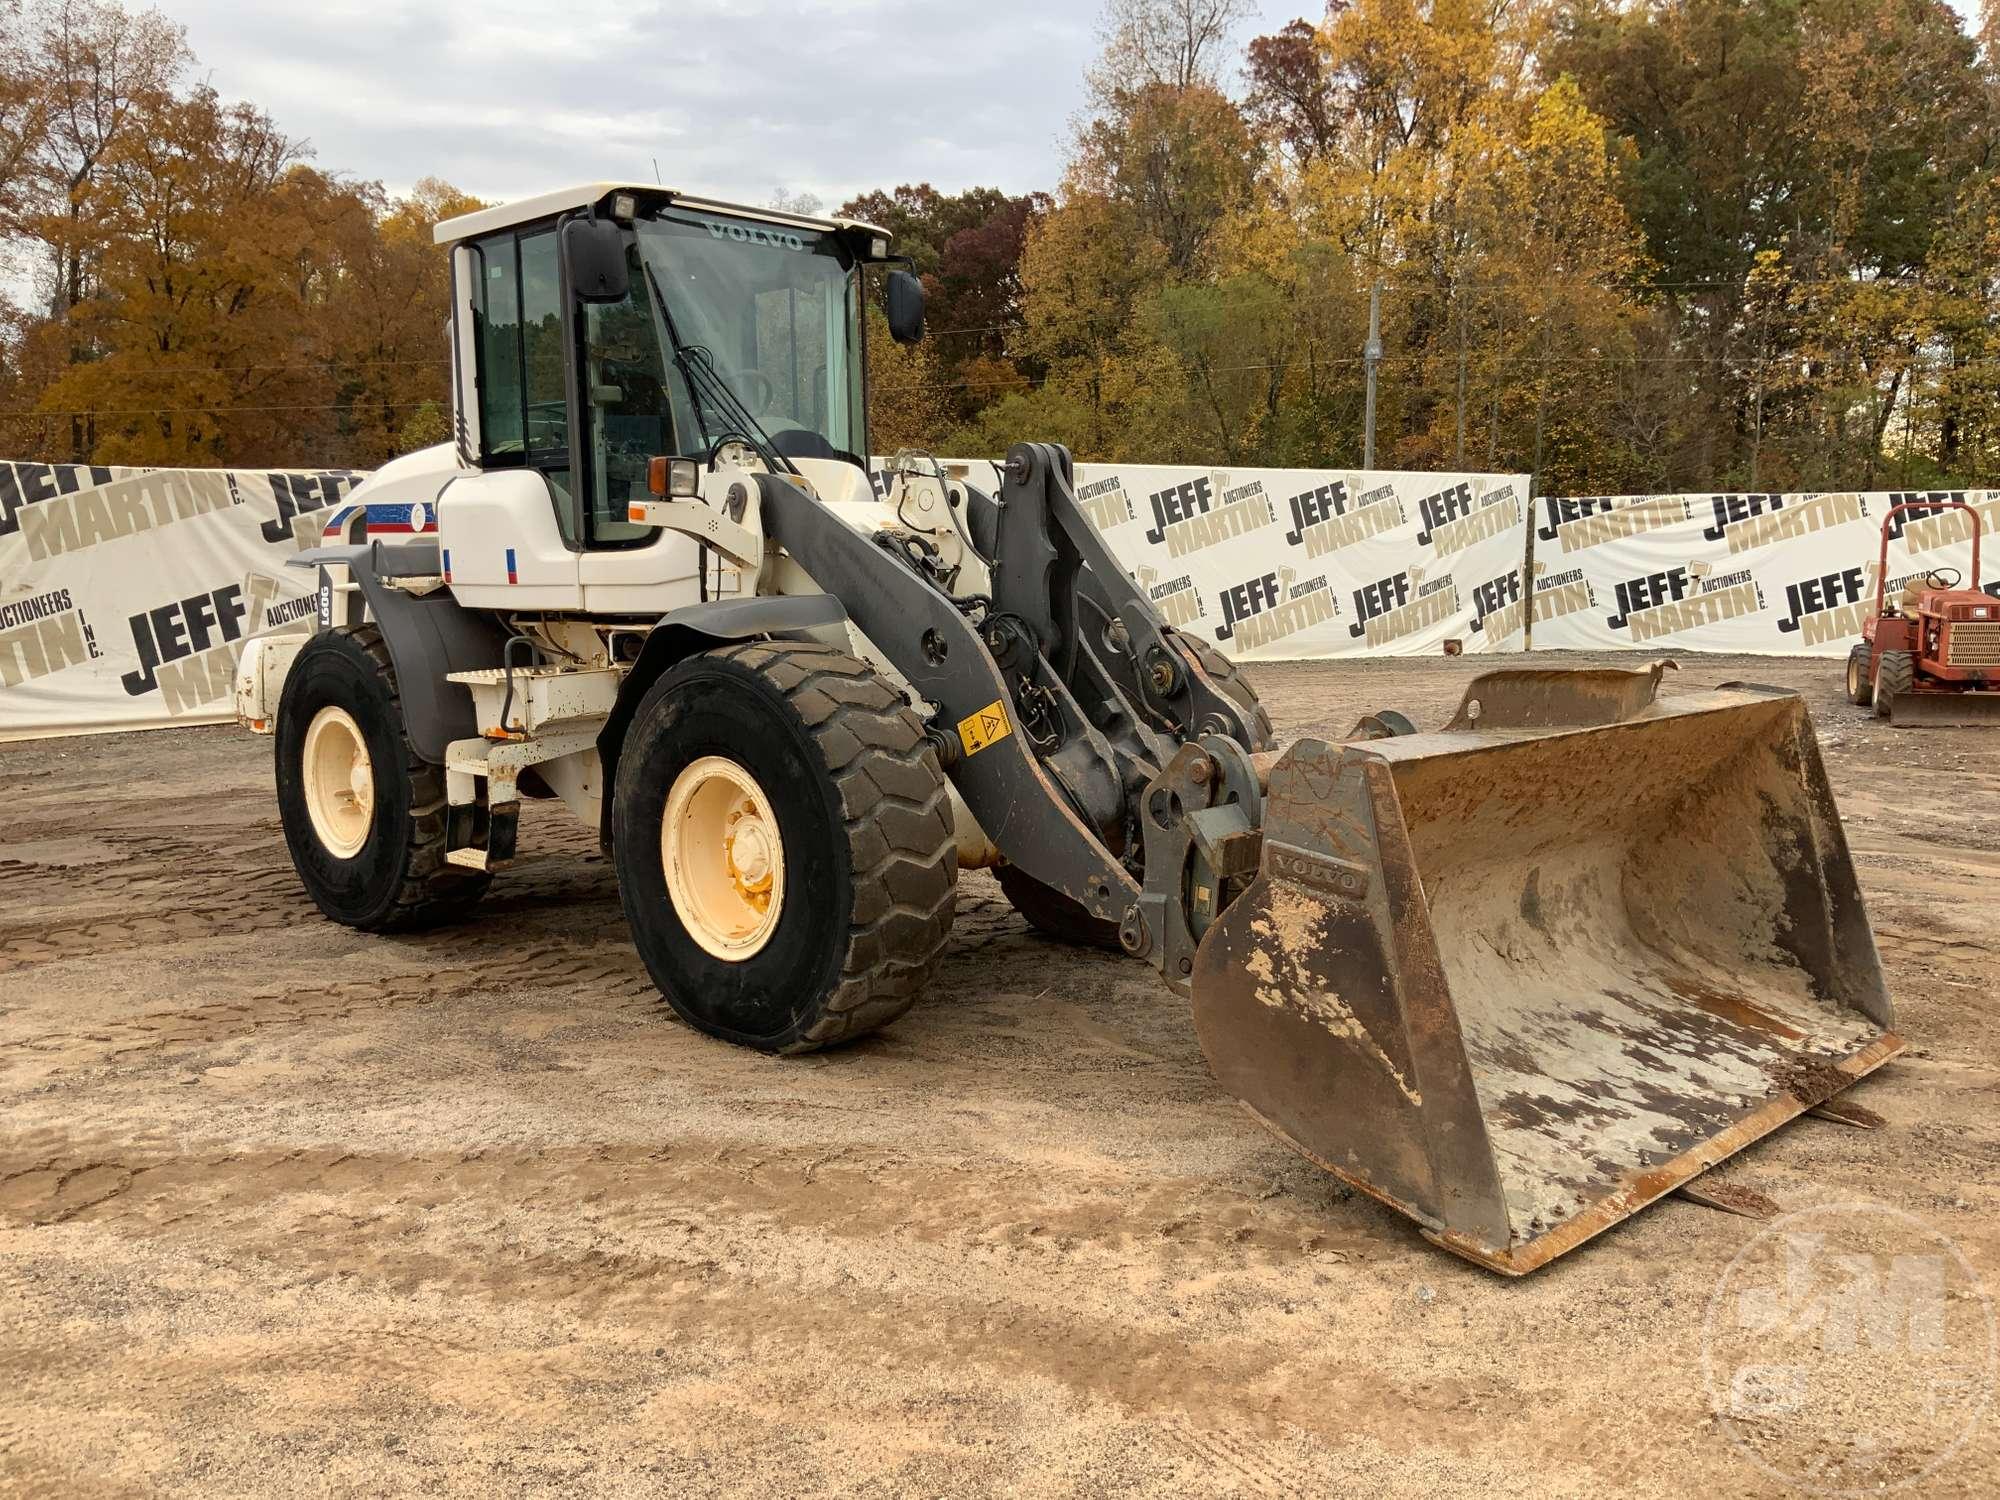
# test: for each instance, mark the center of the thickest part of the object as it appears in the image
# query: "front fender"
(688, 631)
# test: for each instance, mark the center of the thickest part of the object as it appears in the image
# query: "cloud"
(509, 98)
(735, 100)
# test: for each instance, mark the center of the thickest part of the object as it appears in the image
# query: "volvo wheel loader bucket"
(1521, 977)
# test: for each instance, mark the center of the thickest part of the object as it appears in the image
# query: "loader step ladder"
(530, 717)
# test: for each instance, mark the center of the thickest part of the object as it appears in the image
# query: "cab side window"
(545, 402)
(497, 320)
(523, 403)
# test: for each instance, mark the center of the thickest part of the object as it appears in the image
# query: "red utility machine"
(1931, 656)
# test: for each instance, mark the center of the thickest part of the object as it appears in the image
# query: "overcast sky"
(509, 97)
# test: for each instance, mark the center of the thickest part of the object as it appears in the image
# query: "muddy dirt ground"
(287, 1209)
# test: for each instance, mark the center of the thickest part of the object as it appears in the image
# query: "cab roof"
(543, 205)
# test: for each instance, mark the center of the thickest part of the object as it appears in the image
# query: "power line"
(316, 366)
(215, 411)
(1024, 382)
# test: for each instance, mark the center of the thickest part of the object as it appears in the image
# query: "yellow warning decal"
(987, 727)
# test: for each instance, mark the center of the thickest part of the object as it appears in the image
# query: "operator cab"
(599, 328)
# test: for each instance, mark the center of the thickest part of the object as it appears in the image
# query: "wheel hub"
(339, 781)
(724, 858)
(751, 854)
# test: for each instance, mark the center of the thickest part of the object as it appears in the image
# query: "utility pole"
(1458, 460)
(1371, 356)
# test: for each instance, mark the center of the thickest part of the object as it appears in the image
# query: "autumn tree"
(1625, 244)
(1291, 102)
(186, 314)
(91, 75)
(1843, 138)
(910, 404)
(967, 249)
(1083, 272)
(24, 108)
(1172, 44)
(1559, 259)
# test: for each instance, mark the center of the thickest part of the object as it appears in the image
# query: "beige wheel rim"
(339, 781)
(724, 859)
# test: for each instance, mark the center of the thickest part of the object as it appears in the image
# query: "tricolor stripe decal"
(445, 555)
(410, 519)
(339, 519)
(512, 576)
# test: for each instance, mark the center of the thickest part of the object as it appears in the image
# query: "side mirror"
(904, 299)
(593, 253)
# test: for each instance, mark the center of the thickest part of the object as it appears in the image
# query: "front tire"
(1860, 689)
(784, 842)
(363, 813)
(1895, 673)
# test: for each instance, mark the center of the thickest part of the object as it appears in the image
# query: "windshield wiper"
(697, 367)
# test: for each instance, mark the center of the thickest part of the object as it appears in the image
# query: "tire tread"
(431, 891)
(875, 755)
(1895, 673)
(1863, 694)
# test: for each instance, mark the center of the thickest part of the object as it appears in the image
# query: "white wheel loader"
(1516, 978)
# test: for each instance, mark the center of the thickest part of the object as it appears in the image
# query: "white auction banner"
(1306, 564)
(126, 594)
(1764, 574)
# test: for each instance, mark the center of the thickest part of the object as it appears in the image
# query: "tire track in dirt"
(181, 896)
(611, 975)
(158, 889)
(635, 1195)
(1920, 945)
(1224, 1455)
(723, 1241)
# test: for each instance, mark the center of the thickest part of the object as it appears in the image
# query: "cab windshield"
(776, 310)
(772, 311)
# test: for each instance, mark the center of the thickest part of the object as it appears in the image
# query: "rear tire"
(1895, 673)
(1860, 690)
(379, 867)
(852, 811)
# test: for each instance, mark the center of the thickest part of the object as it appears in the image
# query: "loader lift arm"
(935, 644)
(1096, 692)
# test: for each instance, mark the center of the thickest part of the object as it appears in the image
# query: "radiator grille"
(1974, 643)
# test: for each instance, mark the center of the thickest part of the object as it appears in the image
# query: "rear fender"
(428, 636)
